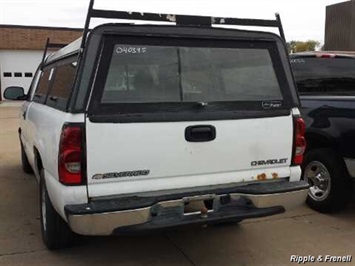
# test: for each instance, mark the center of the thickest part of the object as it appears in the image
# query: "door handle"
(202, 133)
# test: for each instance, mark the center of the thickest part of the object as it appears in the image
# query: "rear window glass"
(324, 75)
(156, 74)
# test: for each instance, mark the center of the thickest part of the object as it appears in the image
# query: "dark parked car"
(326, 84)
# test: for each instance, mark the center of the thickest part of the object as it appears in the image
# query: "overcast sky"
(302, 19)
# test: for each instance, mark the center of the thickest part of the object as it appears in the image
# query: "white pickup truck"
(127, 128)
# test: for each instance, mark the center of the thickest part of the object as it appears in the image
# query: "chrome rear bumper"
(107, 217)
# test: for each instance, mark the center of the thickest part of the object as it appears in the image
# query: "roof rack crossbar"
(178, 19)
(96, 13)
(245, 22)
(50, 45)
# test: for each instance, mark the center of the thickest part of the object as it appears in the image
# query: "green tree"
(299, 46)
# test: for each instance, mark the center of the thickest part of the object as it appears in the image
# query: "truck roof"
(75, 46)
(71, 48)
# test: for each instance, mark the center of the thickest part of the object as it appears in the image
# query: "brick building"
(340, 27)
(21, 50)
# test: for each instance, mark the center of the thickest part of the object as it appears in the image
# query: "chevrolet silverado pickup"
(130, 125)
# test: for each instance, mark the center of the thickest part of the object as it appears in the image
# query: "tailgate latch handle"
(201, 133)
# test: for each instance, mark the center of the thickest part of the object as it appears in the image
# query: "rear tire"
(26, 167)
(331, 187)
(56, 233)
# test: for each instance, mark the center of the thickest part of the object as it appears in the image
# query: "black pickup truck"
(326, 84)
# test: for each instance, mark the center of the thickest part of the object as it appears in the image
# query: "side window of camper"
(63, 82)
(43, 85)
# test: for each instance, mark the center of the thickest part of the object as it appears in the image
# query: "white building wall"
(18, 61)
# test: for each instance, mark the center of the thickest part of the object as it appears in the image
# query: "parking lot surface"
(266, 241)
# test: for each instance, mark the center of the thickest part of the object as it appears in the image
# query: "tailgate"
(143, 157)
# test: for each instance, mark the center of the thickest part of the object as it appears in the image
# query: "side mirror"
(15, 93)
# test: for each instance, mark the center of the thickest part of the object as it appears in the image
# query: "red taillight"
(70, 155)
(300, 142)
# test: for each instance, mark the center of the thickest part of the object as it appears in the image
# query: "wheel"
(56, 233)
(26, 167)
(330, 185)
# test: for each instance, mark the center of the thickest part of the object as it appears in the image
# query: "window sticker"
(130, 50)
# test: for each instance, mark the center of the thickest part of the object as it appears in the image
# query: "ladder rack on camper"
(179, 20)
(50, 45)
